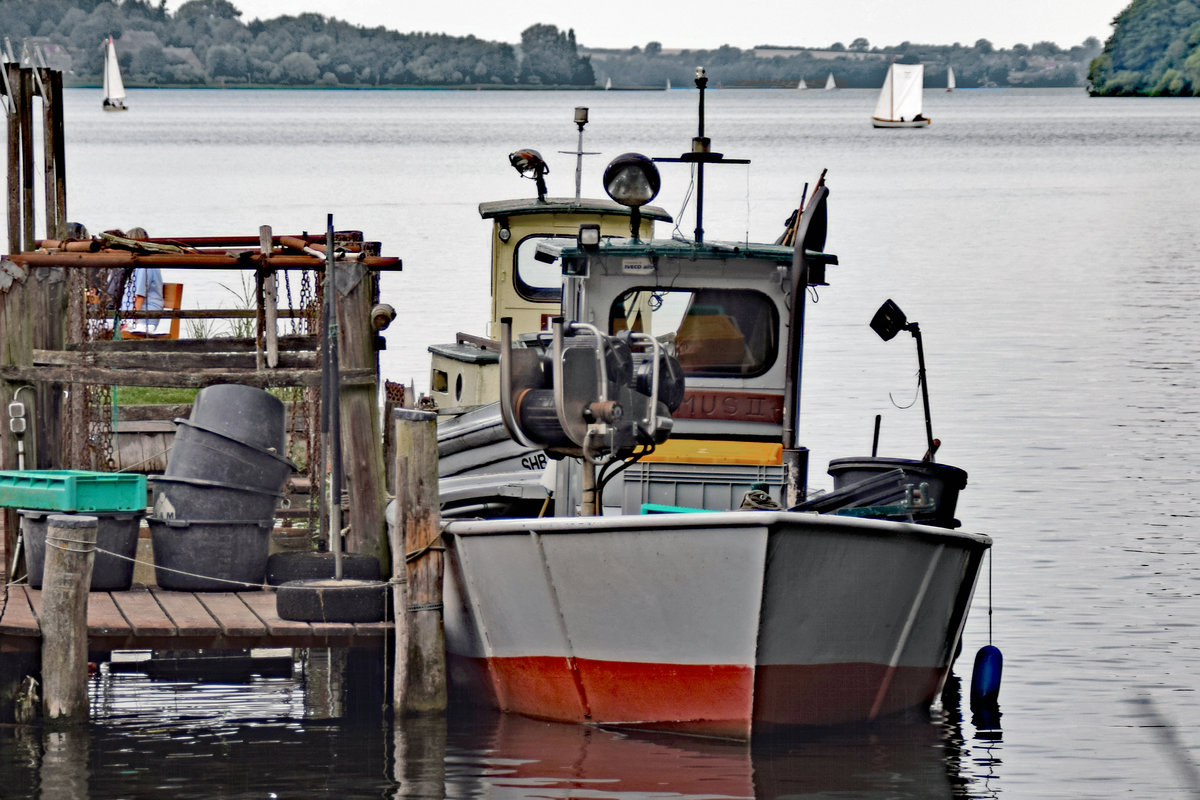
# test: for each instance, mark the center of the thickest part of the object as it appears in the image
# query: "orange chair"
(172, 299)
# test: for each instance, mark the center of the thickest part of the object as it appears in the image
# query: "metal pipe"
(188, 261)
(921, 379)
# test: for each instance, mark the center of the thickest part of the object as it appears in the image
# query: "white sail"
(901, 96)
(830, 83)
(668, 84)
(114, 87)
(950, 84)
(802, 85)
(608, 84)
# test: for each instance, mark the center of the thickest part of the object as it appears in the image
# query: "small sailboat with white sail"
(950, 83)
(830, 83)
(802, 84)
(900, 100)
(114, 87)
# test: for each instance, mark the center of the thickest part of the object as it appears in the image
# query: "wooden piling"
(420, 680)
(67, 576)
(362, 444)
(270, 301)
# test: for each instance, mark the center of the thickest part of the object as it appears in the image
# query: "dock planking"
(153, 618)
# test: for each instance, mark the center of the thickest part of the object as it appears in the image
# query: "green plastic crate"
(72, 490)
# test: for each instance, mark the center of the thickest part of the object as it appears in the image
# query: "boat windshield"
(712, 332)
(536, 280)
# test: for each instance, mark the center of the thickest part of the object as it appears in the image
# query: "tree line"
(207, 43)
(1154, 50)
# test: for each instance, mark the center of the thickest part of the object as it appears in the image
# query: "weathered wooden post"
(420, 680)
(67, 576)
(362, 444)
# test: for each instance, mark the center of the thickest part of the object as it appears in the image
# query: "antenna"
(702, 154)
(581, 119)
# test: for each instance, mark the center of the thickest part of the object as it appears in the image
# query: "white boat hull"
(709, 623)
(897, 123)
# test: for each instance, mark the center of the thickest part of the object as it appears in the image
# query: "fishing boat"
(830, 83)
(900, 100)
(950, 84)
(666, 567)
(114, 87)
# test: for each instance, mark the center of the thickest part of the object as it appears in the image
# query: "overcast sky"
(675, 24)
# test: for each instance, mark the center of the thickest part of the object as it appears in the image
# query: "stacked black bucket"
(214, 508)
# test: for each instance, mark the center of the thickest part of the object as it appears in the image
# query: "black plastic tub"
(199, 453)
(210, 555)
(116, 532)
(936, 485)
(195, 498)
(244, 413)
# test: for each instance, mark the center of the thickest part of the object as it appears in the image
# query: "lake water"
(1045, 242)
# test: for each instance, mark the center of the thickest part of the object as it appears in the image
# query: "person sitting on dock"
(147, 294)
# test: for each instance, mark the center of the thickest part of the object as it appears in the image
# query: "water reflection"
(151, 739)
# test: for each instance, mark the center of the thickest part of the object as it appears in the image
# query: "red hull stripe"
(722, 700)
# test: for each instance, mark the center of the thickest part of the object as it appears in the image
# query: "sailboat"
(668, 84)
(608, 84)
(830, 83)
(899, 104)
(802, 85)
(950, 84)
(114, 87)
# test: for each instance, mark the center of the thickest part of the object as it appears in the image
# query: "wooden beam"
(165, 360)
(197, 379)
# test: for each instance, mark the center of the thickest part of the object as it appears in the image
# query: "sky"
(679, 25)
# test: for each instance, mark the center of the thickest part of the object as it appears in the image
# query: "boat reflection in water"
(897, 758)
(272, 737)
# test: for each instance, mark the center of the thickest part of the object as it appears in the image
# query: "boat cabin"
(527, 290)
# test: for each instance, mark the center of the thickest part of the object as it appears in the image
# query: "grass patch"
(153, 395)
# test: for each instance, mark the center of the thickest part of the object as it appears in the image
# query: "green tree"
(552, 58)
(298, 68)
(213, 9)
(1151, 50)
(226, 61)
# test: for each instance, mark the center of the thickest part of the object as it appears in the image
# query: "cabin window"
(712, 332)
(536, 280)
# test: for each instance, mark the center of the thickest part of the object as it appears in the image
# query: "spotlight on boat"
(530, 164)
(589, 237)
(888, 321)
(632, 180)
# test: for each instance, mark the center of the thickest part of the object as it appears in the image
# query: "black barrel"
(195, 498)
(116, 536)
(941, 482)
(205, 555)
(243, 413)
(199, 453)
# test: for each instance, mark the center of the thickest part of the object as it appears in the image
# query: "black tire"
(329, 600)
(284, 567)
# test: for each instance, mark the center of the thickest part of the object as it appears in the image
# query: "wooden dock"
(149, 618)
